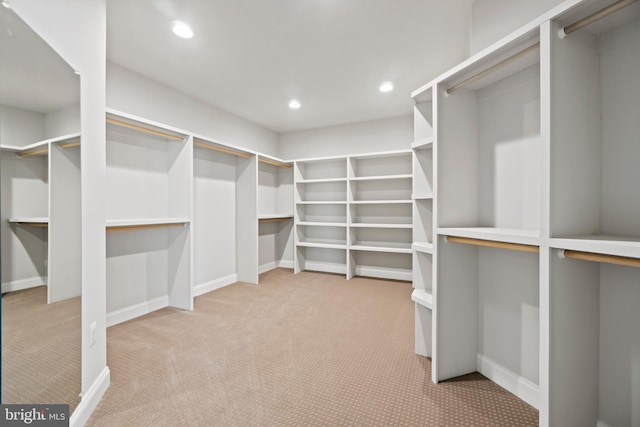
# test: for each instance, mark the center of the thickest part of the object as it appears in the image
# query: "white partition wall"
(247, 258)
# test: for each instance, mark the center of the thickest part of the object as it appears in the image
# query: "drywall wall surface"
(62, 122)
(493, 19)
(133, 93)
(20, 127)
(356, 138)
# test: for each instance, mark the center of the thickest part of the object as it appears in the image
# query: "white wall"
(134, 93)
(20, 127)
(76, 29)
(62, 122)
(493, 19)
(363, 137)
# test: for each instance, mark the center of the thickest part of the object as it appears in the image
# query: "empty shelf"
(425, 196)
(380, 202)
(322, 202)
(390, 247)
(132, 224)
(381, 177)
(604, 244)
(423, 144)
(321, 180)
(328, 244)
(422, 297)
(323, 224)
(509, 235)
(424, 247)
(379, 225)
(275, 217)
(34, 222)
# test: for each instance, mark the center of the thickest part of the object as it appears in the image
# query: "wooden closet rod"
(143, 227)
(493, 244)
(483, 74)
(69, 145)
(611, 259)
(33, 153)
(220, 149)
(143, 129)
(274, 163)
(568, 29)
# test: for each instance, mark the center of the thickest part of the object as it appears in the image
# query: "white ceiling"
(251, 57)
(32, 76)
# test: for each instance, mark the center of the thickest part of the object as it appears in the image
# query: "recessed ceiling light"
(181, 29)
(386, 87)
(6, 4)
(294, 104)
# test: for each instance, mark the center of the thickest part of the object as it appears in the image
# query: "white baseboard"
(136, 310)
(521, 387)
(212, 285)
(602, 424)
(325, 268)
(90, 399)
(18, 285)
(275, 264)
(384, 274)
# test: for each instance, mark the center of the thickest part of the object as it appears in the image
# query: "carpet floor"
(41, 349)
(308, 349)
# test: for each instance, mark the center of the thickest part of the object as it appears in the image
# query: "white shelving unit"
(536, 245)
(353, 215)
(41, 206)
(148, 211)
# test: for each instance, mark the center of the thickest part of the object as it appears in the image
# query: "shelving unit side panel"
(65, 233)
(179, 268)
(267, 245)
(214, 216)
(619, 70)
(573, 346)
(619, 379)
(422, 120)
(247, 220)
(422, 172)
(24, 193)
(458, 171)
(285, 191)
(510, 152)
(508, 304)
(180, 174)
(285, 244)
(575, 135)
(456, 347)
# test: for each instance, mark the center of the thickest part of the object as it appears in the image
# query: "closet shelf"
(379, 225)
(422, 297)
(389, 247)
(324, 243)
(381, 202)
(34, 222)
(426, 196)
(603, 244)
(323, 202)
(424, 247)
(40, 144)
(320, 180)
(275, 216)
(381, 177)
(322, 224)
(130, 224)
(423, 144)
(507, 235)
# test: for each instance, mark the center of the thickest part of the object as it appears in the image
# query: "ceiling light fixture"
(6, 4)
(294, 104)
(181, 29)
(386, 87)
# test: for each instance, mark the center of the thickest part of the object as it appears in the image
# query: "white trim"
(325, 267)
(519, 386)
(136, 310)
(18, 285)
(275, 264)
(285, 263)
(90, 399)
(406, 276)
(212, 285)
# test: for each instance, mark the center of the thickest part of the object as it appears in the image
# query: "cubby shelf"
(323, 202)
(127, 223)
(380, 202)
(422, 297)
(321, 180)
(322, 224)
(423, 247)
(325, 243)
(381, 177)
(389, 247)
(428, 196)
(423, 144)
(29, 221)
(372, 225)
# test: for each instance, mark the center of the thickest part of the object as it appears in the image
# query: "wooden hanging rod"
(483, 74)
(274, 163)
(143, 129)
(143, 227)
(33, 153)
(69, 145)
(284, 218)
(493, 244)
(611, 259)
(568, 29)
(221, 149)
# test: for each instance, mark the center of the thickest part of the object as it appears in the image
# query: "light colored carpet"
(306, 349)
(41, 348)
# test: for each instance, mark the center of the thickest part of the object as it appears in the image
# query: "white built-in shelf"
(323, 202)
(380, 202)
(275, 216)
(389, 247)
(323, 243)
(38, 222)
(379, 225)
(426, 196)
(40, 144)
(422, 297)
(145, 222)
(602, 244)
(381, 177)
(321, 180)
(323, 224)
(508, 235)
(424, 247)
(423, 144)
